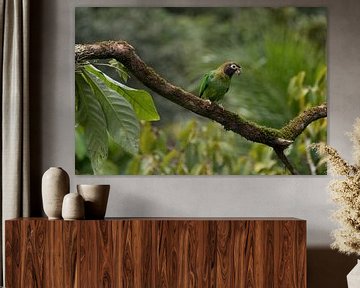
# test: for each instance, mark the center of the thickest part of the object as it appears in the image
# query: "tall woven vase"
(55, 185)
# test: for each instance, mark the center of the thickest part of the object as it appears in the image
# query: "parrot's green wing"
(204, 83)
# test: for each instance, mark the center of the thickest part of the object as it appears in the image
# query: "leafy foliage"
(302, 97)
(91, 117)
(107, 109)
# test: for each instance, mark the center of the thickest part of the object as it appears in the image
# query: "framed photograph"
(200, 91)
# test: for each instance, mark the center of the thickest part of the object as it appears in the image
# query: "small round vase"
(73, 207)
(96, 198)
(55, 185)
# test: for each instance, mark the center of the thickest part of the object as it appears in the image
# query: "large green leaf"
(120, 68)
(90, 115)
(140, 100)
(81, 150)
(122, 123)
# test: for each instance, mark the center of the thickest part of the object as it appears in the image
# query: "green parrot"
(216, 83)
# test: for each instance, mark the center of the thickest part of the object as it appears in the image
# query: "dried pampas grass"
(345, 192)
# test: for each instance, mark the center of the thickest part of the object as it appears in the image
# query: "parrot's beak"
(238, 71)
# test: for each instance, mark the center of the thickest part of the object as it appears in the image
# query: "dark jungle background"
(282, 52)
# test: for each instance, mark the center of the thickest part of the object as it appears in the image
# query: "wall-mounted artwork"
(200, 91)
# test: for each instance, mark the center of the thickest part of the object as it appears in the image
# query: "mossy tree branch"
(278, 139)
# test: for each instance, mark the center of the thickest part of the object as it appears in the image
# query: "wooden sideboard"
(156, 252)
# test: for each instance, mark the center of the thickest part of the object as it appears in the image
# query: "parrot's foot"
(208, 101)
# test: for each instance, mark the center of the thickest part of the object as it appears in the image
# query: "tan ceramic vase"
(55, 185)
(73, 207)
(96, 198)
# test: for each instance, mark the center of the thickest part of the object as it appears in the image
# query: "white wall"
(297, 196)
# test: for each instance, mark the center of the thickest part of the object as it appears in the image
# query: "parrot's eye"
(233, 66)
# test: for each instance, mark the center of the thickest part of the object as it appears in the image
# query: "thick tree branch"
(297, 125)
(279, 139)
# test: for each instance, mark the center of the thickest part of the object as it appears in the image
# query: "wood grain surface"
(149, 252)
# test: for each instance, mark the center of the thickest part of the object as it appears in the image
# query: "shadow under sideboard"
(328, 268)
